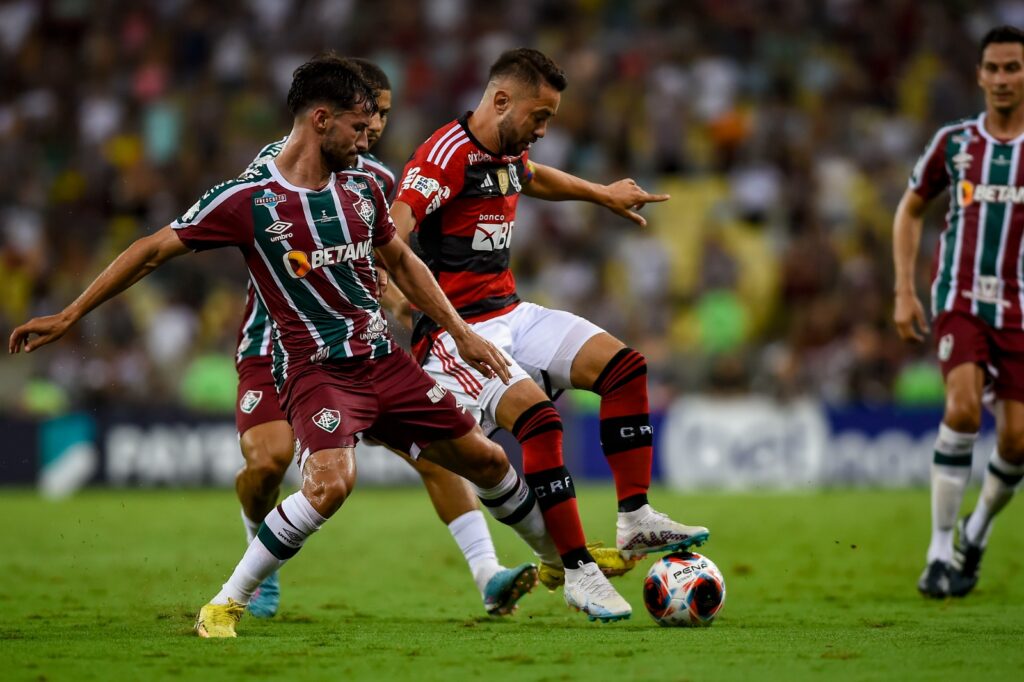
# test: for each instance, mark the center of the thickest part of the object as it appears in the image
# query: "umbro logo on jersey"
(279, 228)
(328, 420)
(997, 161)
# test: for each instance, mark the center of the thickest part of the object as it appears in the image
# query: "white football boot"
(588, 590)
(643, 531)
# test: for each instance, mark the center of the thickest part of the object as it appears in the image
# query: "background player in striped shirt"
(977, 298)
(458, 194)
(267, 441)
(308, 229)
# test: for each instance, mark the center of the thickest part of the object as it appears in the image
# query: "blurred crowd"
(785, 131)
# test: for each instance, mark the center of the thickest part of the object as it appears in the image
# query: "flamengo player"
(458, 194)
(341, 372)
(266, 437)
(977, 301)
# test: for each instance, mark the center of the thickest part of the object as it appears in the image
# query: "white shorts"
(540, 342)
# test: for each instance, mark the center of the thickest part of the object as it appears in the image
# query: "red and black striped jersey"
(464, 199)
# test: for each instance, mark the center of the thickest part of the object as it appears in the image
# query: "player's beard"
(335, 159)
(508, 138)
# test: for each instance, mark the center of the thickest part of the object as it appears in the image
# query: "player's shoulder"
(229, 190)
(960, 126)
(451, 142)
(369, 162)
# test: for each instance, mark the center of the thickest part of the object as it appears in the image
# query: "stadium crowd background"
(784, 130)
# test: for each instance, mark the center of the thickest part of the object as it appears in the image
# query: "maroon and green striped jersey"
(255, 335)
(310, 258)
(978, 263)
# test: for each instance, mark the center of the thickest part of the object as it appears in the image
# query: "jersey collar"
(994, 140)
(276, 174)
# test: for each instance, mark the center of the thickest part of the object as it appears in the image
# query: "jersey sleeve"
(384, 228)
(930, 175)
(528, 169)
(220, 218)
(426, 187)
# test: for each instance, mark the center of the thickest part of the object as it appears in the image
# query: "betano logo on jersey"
(300, 264)
(968, 193)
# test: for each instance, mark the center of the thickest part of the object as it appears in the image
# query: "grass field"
(106, 585)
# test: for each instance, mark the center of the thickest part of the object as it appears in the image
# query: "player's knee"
(328, 484)
(268, 461)
(1011, 444)
(490, 464)
(624, 367)
(963, 414)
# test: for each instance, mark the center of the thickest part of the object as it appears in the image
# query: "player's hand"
(483, 356)
(383, 279)
(625, 198)
(911, 323)
(46, 329)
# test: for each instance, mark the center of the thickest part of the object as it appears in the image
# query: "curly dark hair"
(529, 66)
(372, 74)
(330, 79)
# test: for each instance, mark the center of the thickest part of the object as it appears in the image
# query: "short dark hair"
(328, 78)
(529, 66)
(372, 74)
(1000, 34)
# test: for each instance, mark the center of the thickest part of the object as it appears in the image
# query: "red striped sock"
(626, 434)
(539, 431)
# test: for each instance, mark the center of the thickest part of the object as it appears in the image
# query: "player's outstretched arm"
(908, 313)
(413, 277)
(623, 197)
(138, 260)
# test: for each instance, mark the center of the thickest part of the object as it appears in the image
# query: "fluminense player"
(458, 194)
(309, 229)
(267, 442)
(977, 300)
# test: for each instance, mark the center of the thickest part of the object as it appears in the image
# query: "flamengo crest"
(327, 420)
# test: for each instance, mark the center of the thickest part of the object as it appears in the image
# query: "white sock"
(278, 539)
(514, 504)
(250, 527)
(474, 539)
(951, 469)
(997, 489)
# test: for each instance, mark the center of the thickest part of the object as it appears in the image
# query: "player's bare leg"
(527, 413)
(618, 374)
(950, 472)
(442, 466)
(457, 506)
(1002, 478)
(268, 450)
(328, 477)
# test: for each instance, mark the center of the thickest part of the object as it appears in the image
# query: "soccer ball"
(684, 589)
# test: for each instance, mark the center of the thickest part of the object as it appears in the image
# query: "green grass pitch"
(105, 586)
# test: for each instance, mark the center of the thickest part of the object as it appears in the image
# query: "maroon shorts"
(391, 399)
(257, 398)
(962, 338)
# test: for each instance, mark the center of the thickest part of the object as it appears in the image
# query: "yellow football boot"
(611, 562)
(218, 620)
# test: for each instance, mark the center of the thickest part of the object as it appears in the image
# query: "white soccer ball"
(684, 589)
